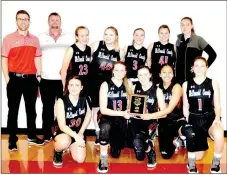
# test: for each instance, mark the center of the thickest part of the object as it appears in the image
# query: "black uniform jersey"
(80, 62)
(152, 102)
(176, 113)
(161, 54)
(117, 97)
(134, 59)
(75, 114)
(103, 60)
(200, 97)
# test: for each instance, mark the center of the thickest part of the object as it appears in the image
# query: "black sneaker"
(47, 139)
(151, 156)
(191, 166)
(36, 141)
(103, 164)
(215, 167)
(57, 159)
(12, 146)
(115, 152)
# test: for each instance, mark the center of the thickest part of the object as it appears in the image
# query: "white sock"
(191, 155)
(217, 155)
(103, 153)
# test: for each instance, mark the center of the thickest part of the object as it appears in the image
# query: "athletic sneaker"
(57, 159)
(12, 146)
(191, 166)
(103, 164)
(36, 141)
(215, 167)
(151, 156)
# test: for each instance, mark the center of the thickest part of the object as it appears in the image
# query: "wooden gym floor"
(38, 159)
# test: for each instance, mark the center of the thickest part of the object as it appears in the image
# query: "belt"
(14, 74)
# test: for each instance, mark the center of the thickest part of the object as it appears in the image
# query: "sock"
(191, 156)
(103, 153)
(217, 155)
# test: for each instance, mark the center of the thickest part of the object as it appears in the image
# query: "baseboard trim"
(23, 131)
(88, 132)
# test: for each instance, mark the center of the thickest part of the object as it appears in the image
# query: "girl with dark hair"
(170, 119)
(142, 143)
(188, 46)
(73, 117)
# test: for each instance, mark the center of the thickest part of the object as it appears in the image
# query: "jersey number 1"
(200, 105)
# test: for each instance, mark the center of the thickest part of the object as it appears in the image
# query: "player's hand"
(127, 115)
(146, 116)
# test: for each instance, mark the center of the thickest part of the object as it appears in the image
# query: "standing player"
(78, 58)
(113, 106)
(104, 54)
(189, 45)
(161, 52)
(201, 107)
(135, 55)
(73, 117)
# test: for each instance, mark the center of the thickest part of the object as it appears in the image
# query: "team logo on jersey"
(81, 111)
(150, 100)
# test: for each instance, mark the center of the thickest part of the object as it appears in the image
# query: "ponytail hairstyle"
(125, 80)
(66, 91)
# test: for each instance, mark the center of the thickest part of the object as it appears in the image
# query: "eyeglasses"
(25, 19)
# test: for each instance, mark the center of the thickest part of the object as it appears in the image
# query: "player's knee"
(166, 154)
(139, 147)
(188, 131)
(104, 133)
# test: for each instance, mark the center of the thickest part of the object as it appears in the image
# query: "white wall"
(209, 20)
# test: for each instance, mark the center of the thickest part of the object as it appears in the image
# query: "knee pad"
(115, 152)
(139, 147)
(166, 154)
(188, 131)
(104, 133)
